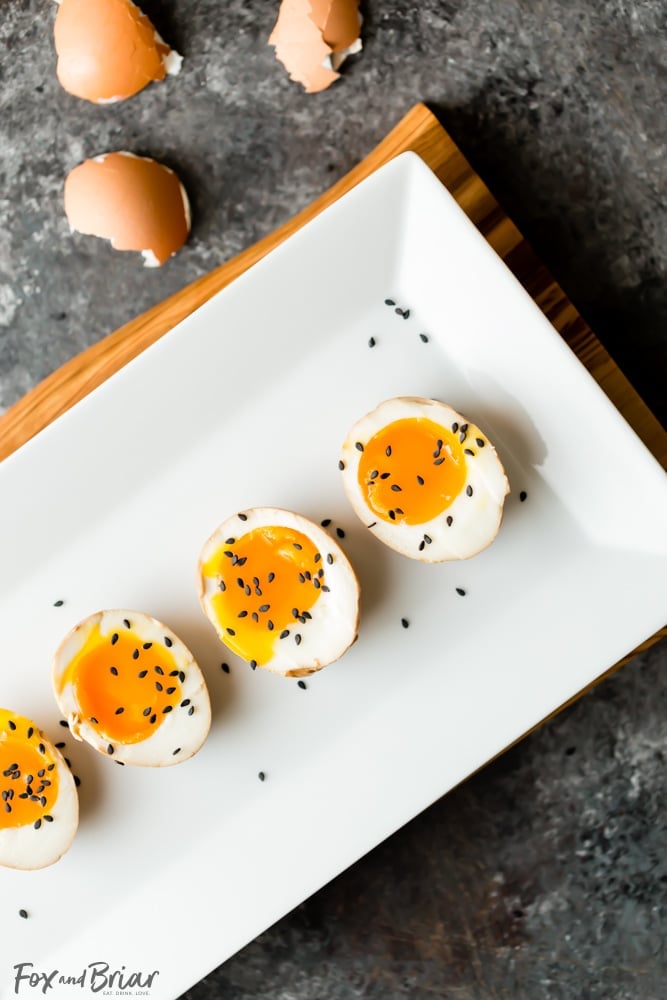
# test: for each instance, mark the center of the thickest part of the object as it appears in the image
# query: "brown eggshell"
(135, 202)
(108, 50)
(312, 38)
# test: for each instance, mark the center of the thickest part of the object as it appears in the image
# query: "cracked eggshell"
(108, 50)
(312, 39)
(38, 817)
(128, 686)
(134, 202)
(424, 479)
(279, 591)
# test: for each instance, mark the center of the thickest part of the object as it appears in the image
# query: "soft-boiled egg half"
(129, 687)
(279, 591)
(133, 201)
(39, 808)
(425, 480)
(108, 50)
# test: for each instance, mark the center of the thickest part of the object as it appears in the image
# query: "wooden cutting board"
(420, 132)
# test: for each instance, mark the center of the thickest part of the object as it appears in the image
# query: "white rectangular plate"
(246, 403)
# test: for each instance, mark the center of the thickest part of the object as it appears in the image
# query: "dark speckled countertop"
(545, 875)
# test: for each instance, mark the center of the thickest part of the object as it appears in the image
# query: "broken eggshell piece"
(312, 39)
(108, 50)
(134, 202)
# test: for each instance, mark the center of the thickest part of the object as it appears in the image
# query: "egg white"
(475, 519)
(26, 848)
(335, 615)
(177, 729)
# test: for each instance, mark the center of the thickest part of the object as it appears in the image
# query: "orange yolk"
(412, 470)
(268, 580)
(124, 685)
(28, 774)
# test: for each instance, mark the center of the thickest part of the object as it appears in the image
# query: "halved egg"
(130, 688)
(39, 808)
(108, 50)
(279, 591)
(133, 201)
(425, 480)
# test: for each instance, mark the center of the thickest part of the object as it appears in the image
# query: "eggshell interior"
(313, 37)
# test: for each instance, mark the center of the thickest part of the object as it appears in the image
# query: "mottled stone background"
(545, 875)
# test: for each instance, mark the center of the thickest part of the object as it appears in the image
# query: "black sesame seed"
(460, 591)
(110, 748)
(40, 773)
(396, 488)
(158, 686)
(235, 560)
(240, 582)
(392, 515)
(114, 638)
(12, 725)
(167, 708)
(295, 612)
(428, 539)
(271, 577)
(318, 556)
(450, 520)
(49, 819)
(405, 623)
(114, 671)
(371, 341)
(284, 633)
(253, 664)
(480, 442)
(126, 623)
(464, 428)
(330, 558)
(31, 731)
(58, 604)
(135, 654)
(77, 780)
(340, 532)
(406, 313)
(119, 711)
(421, 546)
(316, 584)
(462, 436)
(147, 645)
(385, 475)
(64, 723)
(247, 591)
(242, 614)
(191, 710)
(153, 719)
(170, 690)
(270, 626)
(468, 451)
(159, 670)
(50, 767)
(389, 302)
(223, 586)
(302, 578)
(255, 616)
(372, 524)
(228, 554)
(398, 311)
(440, 460)
(174, 752)
(455, 427)
(37, 824)
(469, 490)
(147, 711)
(341, 465)
(522, 495)
(420, 480)
(230, 631)
(142, 673)
(374, 474)
(243, 561)
(23, 914)
(325, 589)
(41, 748)
(297, 545)
(423, 338)
(301, 684)
(261, 775)
(359, 446)
(167, 641)
(181, 676)
(387, 451)
(243, 517)
(8, 808)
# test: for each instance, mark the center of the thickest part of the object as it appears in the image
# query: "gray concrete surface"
(544, 876)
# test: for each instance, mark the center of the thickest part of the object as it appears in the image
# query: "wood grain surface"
(420, 132)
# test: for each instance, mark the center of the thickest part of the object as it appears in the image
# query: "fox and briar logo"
(98, 977)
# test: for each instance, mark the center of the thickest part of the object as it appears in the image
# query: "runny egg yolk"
(28, 774)
(124, 686)
(268, 579)
(411, 470)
